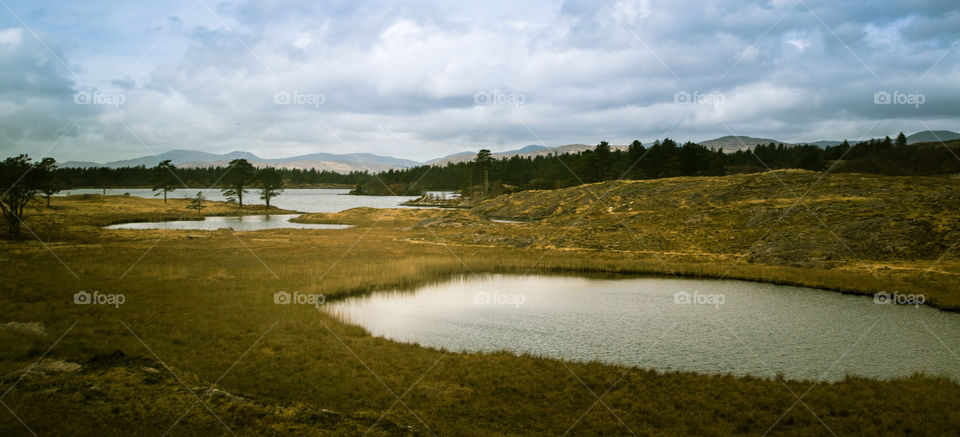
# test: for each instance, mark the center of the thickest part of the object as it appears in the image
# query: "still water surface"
(743, 328)
(241, 223)
(295, 199)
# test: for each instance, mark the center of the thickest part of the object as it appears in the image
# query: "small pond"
(707, 326)
(238, 223)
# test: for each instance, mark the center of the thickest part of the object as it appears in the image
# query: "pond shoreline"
(611, 313)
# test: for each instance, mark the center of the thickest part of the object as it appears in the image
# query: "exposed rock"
(51, 365)
(216, 393)
(439, 222)
(32, 328)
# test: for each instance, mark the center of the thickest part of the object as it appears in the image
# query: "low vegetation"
(204, 309)
(852, 232)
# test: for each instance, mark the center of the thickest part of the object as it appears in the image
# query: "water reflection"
(708, 326)
(239, 223)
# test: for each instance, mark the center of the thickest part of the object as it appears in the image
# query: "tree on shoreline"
(164, 179)
(196, 203)
(240, 173)
(270, 184)
(103, 178)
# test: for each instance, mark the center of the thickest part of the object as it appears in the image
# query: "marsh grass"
(204, 306)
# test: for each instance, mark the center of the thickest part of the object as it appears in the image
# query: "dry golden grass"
(848, 232)
(204, 306)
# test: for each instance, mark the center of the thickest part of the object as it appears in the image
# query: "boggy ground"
(849, 232)
(201, 313)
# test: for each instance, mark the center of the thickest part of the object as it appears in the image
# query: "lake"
(706, 326)
(238, 223)
(295, 199)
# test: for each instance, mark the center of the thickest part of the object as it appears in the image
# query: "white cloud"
(631, 11)
(402, 81)
(12, 37)
(799, 44)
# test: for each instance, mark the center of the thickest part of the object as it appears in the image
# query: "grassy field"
(199, 312)
(849, 232)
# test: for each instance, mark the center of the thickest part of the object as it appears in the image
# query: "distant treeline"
(638, 161)
(140, 176)
(666, 158)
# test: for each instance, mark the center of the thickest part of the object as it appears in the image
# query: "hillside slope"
(842, 218)
(732, 143)
(932, 136)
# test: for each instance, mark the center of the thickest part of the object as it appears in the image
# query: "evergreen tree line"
(197, 177)
(484, 174)
(664, 159)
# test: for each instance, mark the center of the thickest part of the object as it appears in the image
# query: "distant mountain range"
(320, 161)
(732, 143)
(348, 162)
(528, 151)
(469, 155)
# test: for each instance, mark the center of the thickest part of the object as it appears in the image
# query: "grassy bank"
(80, 217)
(849, 232)
(204, 307)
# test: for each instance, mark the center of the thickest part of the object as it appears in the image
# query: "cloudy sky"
(106, 80)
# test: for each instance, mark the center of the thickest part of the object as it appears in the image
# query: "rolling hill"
(469, 155)
(732, 143)
(875, 217)
(931, 136)
(528, 151)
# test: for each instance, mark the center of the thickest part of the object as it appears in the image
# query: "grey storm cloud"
(35, 89)
(419, 79)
